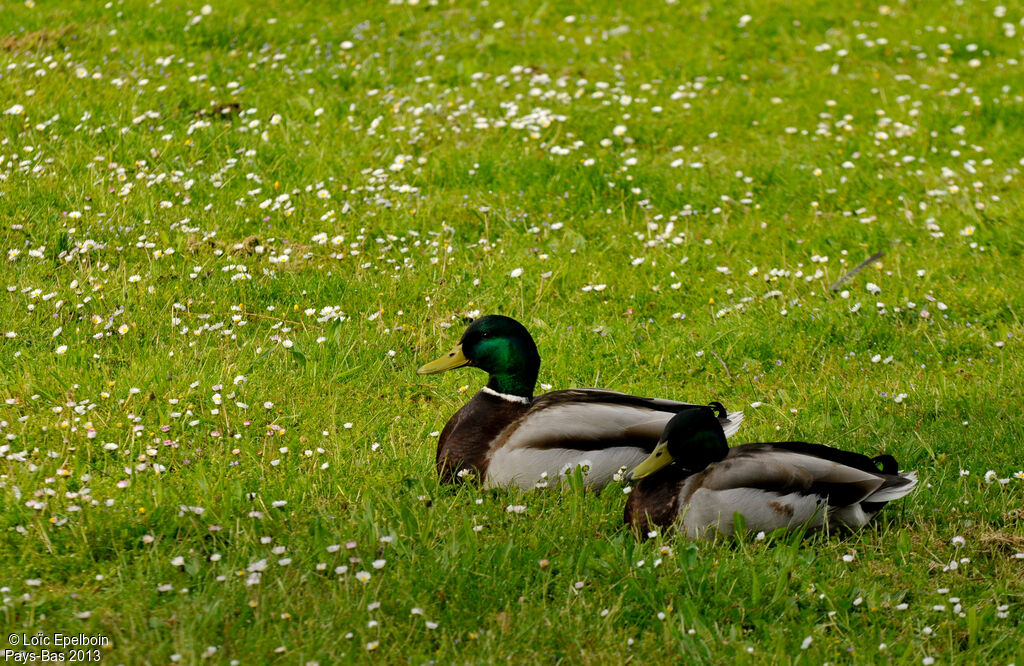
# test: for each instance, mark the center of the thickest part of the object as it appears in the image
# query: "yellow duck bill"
(453, 359)
(659, 458)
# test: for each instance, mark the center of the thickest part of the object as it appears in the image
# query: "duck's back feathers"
(773, 486)
(779, 469)
(590, 419)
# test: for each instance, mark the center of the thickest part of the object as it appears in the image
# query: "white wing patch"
(763, 511)
(524, 467)
(852, 516)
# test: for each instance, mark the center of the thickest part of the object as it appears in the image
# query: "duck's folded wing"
(592, 419)
(764, 467)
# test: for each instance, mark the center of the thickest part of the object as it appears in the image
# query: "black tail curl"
(887, 463)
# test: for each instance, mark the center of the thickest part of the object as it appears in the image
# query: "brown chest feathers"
(654, 502)
(464, 449)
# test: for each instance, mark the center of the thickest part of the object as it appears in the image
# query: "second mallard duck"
(504, 436)
(693, 477)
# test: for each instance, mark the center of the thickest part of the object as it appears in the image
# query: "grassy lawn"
(230, 234)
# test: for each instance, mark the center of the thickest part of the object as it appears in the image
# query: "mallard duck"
(504, 436)
(693, 477)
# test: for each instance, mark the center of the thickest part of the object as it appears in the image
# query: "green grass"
(102, 178)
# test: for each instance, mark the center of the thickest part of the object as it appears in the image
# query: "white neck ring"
(507, 397)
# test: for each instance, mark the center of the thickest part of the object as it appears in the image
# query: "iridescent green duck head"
(693, 438)
(502, 347)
